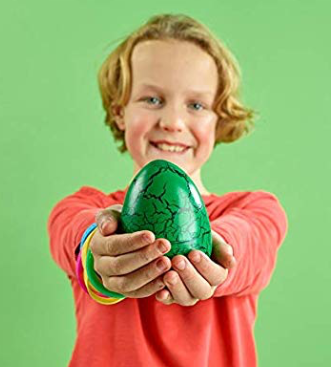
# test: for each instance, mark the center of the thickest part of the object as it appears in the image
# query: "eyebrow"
(193, 92)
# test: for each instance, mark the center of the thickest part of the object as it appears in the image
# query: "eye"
(152, 100)
(197, 106)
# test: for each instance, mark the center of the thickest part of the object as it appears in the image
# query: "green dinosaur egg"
(162, 198)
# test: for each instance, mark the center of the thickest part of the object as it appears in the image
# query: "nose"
(172, 119)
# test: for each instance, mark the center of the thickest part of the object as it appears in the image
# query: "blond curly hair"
(114, 76)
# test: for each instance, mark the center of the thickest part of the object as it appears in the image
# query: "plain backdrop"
(53, 141)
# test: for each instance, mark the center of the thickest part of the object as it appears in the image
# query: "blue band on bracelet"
(86, 234)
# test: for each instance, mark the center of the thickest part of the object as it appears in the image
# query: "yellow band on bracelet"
(96, 297)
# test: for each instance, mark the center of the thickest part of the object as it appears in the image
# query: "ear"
(118, 113)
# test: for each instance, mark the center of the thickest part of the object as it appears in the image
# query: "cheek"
(136, 125)
(205, 134)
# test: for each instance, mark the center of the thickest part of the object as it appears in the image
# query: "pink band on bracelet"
(80, 272)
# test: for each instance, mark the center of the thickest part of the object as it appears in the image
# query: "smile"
(169, 148)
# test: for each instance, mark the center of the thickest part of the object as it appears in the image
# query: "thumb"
(222, 251)
(107, 220)
(108, 226)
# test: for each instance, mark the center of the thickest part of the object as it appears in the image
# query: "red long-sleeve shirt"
(145, 332)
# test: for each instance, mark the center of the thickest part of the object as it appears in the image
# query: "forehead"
(172, 64)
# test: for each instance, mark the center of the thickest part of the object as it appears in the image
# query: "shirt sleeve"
(255, 228)
(67, 222)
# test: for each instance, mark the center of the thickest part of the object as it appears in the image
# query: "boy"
(169, 91)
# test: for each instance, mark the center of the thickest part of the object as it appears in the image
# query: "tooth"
(170, 148)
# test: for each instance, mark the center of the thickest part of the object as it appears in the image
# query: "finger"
(149, 289)
(222, 252)
(119, 244)
(107, 226)
(164, 297)
(178, 290)
(107, 219)
(139, 278)
(197, 285)
(127, 263)
(212, 272)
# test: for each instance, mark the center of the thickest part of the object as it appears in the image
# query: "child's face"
(173, 89)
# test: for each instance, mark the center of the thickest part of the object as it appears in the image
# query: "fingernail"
(162, 247)
(165, 295)
(196, 257)
(181, 265)
(147, 238)
(233, 262)
(229, 250)
(105, 223)
(161, 265)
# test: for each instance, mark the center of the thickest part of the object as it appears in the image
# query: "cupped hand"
(131, 264)
(197, 276)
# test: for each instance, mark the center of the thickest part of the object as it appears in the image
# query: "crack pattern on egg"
(162, 198)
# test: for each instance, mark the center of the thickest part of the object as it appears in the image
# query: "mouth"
(170, 149)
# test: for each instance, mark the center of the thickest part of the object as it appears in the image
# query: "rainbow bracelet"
(83, 257)
(91, 274)
(79, 265)
(100, 298)
(104, 296)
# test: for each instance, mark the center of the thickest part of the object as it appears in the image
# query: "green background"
(53, 141)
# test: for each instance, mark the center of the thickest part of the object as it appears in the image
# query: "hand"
(130, 263)
(200, 276)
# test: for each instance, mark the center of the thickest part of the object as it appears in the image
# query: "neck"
(196, 178)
